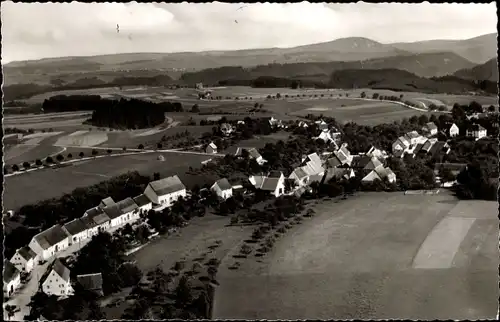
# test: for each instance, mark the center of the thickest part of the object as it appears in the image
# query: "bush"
(109, 151)
(38, 162)
(95, 152)
(81, 154)
(70, 156)
(15, 168)
(26, 165)
(140, 147)
(59, 157)
(49, 160)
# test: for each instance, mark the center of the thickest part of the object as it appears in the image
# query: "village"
(108, 216)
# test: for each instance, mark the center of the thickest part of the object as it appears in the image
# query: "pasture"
(43, 184)
(373, 256)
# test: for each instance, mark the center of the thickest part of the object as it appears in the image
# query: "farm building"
(476, 131)
(274, 182)
(129, 211)
(24, 259)
(166, 191)
(222, 188)
(400, 146)
(366, 164)
(439, 149)
(77, 231)
(11, 278)
(415, 138)
(91, 282)
(49, 242)
(211, 148)
(143, 202)
(430, 129)
(58, 281)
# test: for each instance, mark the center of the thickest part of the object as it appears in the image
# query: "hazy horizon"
(62, 31)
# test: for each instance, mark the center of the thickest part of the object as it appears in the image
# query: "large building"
(49, 242)
(165, 192)
(24, 259)
(58, 281)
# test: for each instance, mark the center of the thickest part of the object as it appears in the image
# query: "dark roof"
(112, 211)
(270, 184)
(372, 164)
(75, 226)
(142, 200)
(10, 272)
(51, 236)
(99, 218)
(333, 162)
(223, 184)
(437, 147)
(108, 201)
(300, 173)
(475, 127)
(418, 148)
(361, 161)
(90, 282)
(88, 222)
(431, 126)
(26, 253)
(275, 174)
(167, 185)
(127, 205)
(94, 211)
(61, 270)
(316, 178)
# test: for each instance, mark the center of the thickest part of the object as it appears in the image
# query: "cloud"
(35, 30)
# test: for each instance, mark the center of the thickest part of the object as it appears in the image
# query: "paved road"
(376, 256)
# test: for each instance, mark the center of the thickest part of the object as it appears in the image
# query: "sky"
(40, 30)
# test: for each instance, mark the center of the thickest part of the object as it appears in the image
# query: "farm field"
(373, 256)
(21, 153)
(43, 184)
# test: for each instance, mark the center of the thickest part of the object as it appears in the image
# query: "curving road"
(374, 256)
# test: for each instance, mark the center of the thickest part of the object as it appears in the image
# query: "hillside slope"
(486, 71)
(478, 49)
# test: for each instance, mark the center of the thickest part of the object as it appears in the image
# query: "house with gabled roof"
(430, 129)
(476, 131)
(222, 188)
(91, 282)
(106, 202)
(452, 129)
(58, 281)
(49, 242)
(439, 149)
(378, 153)
(96, 220)
(380, 173)
(24, 259)
(326, 136)
(428, 145)
(11, 278)
(400, 146)
(252, 154)
(274, 183)
(143, 203)
(165, 192)
(322, 125)
(77, 231)
(211, 148)
(340, 173)
(365, 163)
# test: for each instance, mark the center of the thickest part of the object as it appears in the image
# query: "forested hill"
(423, 65)
(487, 71)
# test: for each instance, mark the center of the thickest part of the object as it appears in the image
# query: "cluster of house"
(413, 143)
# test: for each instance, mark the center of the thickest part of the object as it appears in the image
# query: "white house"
(415, 138)
(430, 129)
(375, 152)
(275, 122)
(453, 130)
(11, 278)
(274, 182)
(476, 131)
(211, 148)
(326, 136)
(58, 282)
(122, 212)
(77, 231)
(252, 154)
(322, 125)
(222, 188)
(49, 242)
(96, 221)
(303, 124)
(144, 204)
(24, 259)
(166, 191)
(400, 146)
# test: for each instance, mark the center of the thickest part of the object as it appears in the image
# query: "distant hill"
(478, 49)
(398, 80)
(486, 71)
(424, 65)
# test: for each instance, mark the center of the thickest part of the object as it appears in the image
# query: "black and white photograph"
(253, 161)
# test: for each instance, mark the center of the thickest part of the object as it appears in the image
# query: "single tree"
(26, 165)
(156, 176)
(59, 157)
(109, 151)
(125, 149)
(38, 162)
(363, 95)
(81, 154)
(95, 152)
(195, 108)
(49, 160)
(140, 147)
(159, 146)
(70, 156)
(15, 168)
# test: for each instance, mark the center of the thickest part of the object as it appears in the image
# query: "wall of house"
(169, 199)
(19, 262)
(279, 187)
(55, 285)
(12, 286)
(151, 195)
